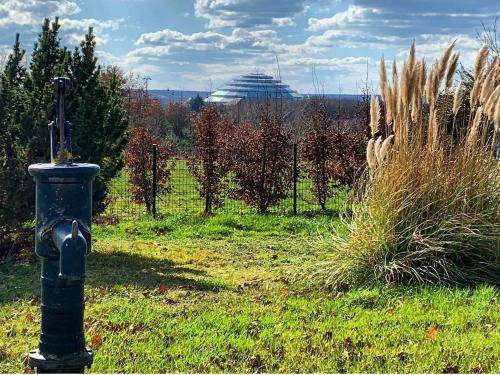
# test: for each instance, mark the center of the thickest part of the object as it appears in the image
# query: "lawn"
(235, 293)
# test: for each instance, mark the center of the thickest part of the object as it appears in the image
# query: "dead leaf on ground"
(432, 332)
(163, 289)
(255, 362)
(450, 369)
(96, 340)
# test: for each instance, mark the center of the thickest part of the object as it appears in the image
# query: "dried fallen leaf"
(450, 369)
(432, 332)
(255, 362)
(4, 353)
(96, 340)
(163, 289)
(283, 290)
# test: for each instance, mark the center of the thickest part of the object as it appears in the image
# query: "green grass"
(227, 294)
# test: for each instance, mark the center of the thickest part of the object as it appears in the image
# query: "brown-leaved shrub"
(210, 161)
(139, 164)
(262, 161)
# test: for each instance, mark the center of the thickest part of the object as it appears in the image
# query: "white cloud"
(164, 41)
(77, 28)
(32, 12)
(340, 19)
(283, 21)
(247, 13)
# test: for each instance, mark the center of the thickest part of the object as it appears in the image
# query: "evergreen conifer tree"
(97, 114)
(14, 210)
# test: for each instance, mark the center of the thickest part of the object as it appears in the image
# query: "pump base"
(69, 364)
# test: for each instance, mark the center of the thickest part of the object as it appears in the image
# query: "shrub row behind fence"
(183, 194)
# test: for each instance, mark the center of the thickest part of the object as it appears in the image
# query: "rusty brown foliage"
(210, 161)
(139, 164)
(317, 151)
(333, 152)
(349, 154)
(262, 161)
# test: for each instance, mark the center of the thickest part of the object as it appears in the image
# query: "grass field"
(233, 294)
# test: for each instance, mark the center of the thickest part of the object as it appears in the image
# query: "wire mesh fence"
(184, 195)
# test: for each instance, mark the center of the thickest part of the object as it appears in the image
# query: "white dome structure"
(254, 86)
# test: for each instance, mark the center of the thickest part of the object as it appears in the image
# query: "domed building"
(254, 86)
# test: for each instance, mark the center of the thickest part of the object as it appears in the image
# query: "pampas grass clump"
(431, 205)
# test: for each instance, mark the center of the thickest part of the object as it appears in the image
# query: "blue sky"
(198, 44)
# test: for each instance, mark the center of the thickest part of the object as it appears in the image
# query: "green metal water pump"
(62, 240)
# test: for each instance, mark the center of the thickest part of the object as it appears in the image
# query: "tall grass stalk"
(431, 204)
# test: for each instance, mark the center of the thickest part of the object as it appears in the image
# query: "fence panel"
(183, 195)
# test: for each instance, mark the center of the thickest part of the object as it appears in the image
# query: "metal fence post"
(155, 170)
(295, 177)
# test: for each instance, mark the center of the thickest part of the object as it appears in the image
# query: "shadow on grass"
(119, 268)
(21, 280)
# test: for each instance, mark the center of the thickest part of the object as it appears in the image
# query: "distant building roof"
(253, 86)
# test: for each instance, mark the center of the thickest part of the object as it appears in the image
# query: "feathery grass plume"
(423, 75)
(481, 59)
(383, 79)
(388, 104)
(386, 147)
(430, 212)
(374, 115)
(443, 62)
(377, 147)
(412, 57)
(457, 98)
(435, 85)
(433, 130)
(370, 155)
(452, 67)
(488, 85)
(430, 87)
(473, 135)
(394, 73)
(416, 107)
(405, 89)
(489, 106)
(496, 116)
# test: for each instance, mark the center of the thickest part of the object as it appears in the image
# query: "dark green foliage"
(197, 104)
(13, 209)
(97, 114)
(27, 98)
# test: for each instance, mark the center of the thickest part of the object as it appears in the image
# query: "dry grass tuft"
(430, 211)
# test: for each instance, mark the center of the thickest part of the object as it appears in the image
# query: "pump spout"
(72, 247)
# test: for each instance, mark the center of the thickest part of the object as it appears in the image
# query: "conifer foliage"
(27, 98)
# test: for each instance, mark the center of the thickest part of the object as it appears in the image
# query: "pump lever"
(61, 147)
(74, 229)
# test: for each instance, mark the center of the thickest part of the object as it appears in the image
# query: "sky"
(200, 44)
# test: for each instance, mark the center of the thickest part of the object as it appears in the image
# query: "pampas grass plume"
(370, 155)
(457, 98)
(374, 114)
(452, 67)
